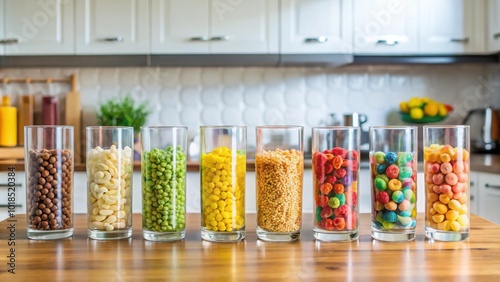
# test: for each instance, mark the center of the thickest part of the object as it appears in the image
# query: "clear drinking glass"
(109, 181)
(447, 182)
(335, 170)
(163, 182)
(393, 168)
(222, 177)
(279, 170)
(49, 177)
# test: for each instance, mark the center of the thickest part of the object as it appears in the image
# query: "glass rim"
(336, 127)
(49, 126)
(393, 127)
(446, 126)
(108, 127)
(164, 127)
(279, 127)
(222, 126)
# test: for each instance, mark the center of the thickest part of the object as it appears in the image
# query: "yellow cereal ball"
(463, 220)
(403, 106)
(431, 109)
(416, 113)
(455, 226)
(445, 225)
(438, 218)
(451, 215)
(414, 102)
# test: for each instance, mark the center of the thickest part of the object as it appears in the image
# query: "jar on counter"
(447, 182)
(222, 175)
(279, 170)
(163, 163)
(393, 169)
(49, 177)
(109, 181)
(335, 171)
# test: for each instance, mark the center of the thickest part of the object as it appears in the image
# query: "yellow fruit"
(416, 113)
(414, 102)
(426, 100)
(431, 109)
(403, 106)
(442, 110)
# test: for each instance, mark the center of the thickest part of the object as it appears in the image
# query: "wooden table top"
(82, 259)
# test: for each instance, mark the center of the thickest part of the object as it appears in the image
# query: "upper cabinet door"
(245, 26)
(316, 26)
(451, 26)
(3, 40)
(493, 34)
(38, 27)
(112, 26)
(180, 26)
(385, 27)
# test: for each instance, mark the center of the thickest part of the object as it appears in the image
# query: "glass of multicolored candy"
(393, 166)
(447, 182)
(335, 163)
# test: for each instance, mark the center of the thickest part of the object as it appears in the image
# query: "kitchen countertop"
(192, 259)
(479, 162)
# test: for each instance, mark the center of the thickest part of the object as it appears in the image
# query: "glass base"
(445, 235)
(110, 235)
(328, 236)
(277, 236)
(393, 236)
(222, 236)
(163, 236)
(49, 234)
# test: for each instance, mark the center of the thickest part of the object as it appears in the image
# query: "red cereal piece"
(337, 151)
(392, 171)
(339, 223)
(319, 172)
(326, 188)
(331, 179)
(328, 168)
(326, 212)
(340, 173)
(383, 197)
(327, 224)
(341, 211)
(319, 159)
(351, 198)
(337, 162)
(352, 155)
(338, 188)
(323, 201)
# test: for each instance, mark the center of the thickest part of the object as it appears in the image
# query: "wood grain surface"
(82, 259)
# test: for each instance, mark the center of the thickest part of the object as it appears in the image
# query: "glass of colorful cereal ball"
(447, 182)
(109, 182)
(335, 165)
(393, 169)
(163, 182)
(49, 181)
(279, 169)
(222, 173)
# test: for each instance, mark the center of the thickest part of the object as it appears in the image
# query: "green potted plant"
(124, 112)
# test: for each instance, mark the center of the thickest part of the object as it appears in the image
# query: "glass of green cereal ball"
(222, 175)
(163, 182)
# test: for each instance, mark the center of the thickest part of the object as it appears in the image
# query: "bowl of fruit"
(423, 110)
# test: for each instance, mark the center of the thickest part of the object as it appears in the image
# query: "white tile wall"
(256, 96)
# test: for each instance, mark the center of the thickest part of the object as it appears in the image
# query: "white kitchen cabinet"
(489, 196)
(451, 26)
(316, 26)
(385, 27)
(112, 26)
(80, 192)
(38, 27)
(493, 29)
(3, 39)
(214, 26)
(473, 192)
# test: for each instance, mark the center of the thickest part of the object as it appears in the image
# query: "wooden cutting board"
(73, 113)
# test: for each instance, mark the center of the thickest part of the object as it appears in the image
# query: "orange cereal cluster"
(447, 186)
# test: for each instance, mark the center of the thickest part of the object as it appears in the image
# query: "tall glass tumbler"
(109, 182)
(393, 168)
(163, 165)
(279, 170)
(335, 170)
(49, 177)
(222, 181)
(447, 182)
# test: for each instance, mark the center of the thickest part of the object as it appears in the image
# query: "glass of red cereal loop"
(279, 169)
(335, 170)
(393, 169)
(447, 182)
(49, 177)
(222, 175)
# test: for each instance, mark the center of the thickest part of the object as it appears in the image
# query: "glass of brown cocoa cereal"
(279, 169)
(49, 178)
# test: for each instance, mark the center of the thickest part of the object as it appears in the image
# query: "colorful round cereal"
(379, 157)
(397, 196)
(391, 157)
(390, 216)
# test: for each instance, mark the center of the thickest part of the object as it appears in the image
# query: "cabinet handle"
(496, 35)
(460, 40)
(200, 38)
(220, 38)
(113, 39)
(472, 197)
(471, 183)
(388, 42)
(491, 186)
(321, 39)
(6, 205)
(9, 41)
